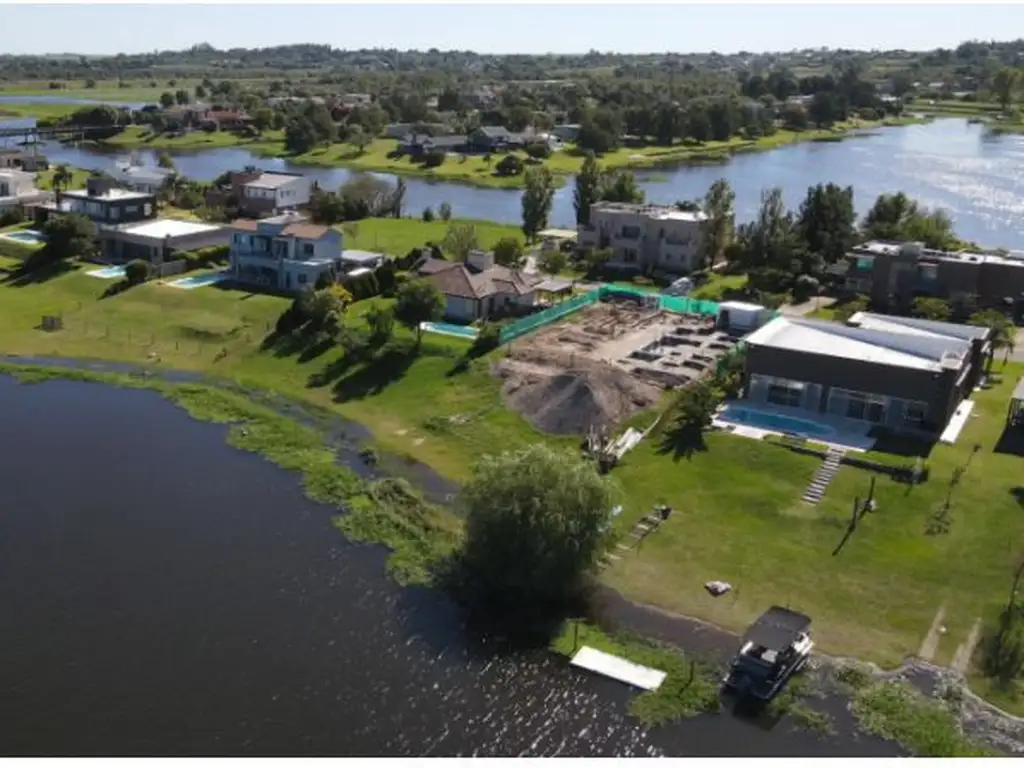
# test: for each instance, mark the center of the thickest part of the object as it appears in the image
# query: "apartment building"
(894, 274)
(645, 236)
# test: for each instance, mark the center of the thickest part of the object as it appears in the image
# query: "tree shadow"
(682, 440)
(34, 274)
(1018, 494)
(376, 375)
(316, 348)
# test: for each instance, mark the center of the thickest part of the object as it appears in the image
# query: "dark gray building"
(901, 373)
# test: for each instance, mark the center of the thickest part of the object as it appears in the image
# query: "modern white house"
(645, 236)
(478, 288)
(270, 193)
(18, 188)
(158, 240)
(284, 253)
(140, 178)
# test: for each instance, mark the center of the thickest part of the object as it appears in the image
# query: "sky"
(500, 28)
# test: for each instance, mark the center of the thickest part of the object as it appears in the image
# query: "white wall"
(294, 193)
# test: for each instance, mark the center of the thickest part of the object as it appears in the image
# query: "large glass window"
(914, 413)
(862, 406)
(787, 394)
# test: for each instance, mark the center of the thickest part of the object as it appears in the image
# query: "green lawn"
(738, 517)
(398, 236)
(720, 286)
(19, 109)
(105, 90)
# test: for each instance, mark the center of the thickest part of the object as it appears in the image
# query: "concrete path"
(964, 652)
(799, 310)
(931, 640)
(1018, 347)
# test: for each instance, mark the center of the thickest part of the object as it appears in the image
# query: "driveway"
(799, 310)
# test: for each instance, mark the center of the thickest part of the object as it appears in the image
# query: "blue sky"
(494, 28)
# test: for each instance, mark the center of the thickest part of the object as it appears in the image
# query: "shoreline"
(690, 635)
(476, 175)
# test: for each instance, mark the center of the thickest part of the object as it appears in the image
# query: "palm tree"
(62, 177)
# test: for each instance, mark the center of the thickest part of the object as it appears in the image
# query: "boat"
(773, 649)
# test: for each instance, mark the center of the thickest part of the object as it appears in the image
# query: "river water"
(164, 593)
(976, 176)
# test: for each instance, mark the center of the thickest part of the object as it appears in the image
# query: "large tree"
(588, 188)
(827, 221)
(897, 217)
(535, 523)
(621, 187)
(1004, 84)
(537, 197)
(418, 302)
(459, 240)
(71, 236)
(719, 227)
(508, 252)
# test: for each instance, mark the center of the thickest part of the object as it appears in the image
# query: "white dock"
(616, 668)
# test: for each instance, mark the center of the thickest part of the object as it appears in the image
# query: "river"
(974, 175)
(164, 593)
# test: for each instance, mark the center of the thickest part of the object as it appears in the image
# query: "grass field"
(105, 90)
(473, 169)
(398, 236)
(739, 517)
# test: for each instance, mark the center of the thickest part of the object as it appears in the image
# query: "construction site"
(601, 364)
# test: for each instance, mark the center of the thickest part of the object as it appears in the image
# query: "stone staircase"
(819, 483)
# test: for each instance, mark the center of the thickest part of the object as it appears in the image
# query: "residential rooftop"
(273, 180)
(658, 212)
(108, 194)
(163, 228)
(918, 351)
(889, 248)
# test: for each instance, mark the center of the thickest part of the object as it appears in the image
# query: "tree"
(1004, 84)
(535, 528)
(536, 202)
(823, 110)
(508, 252)
(930, 308)
(357, 137)
(163, 159)
(166, 99)
(588, 188)
(1003, 650)
(694, 412)
(850, 308)
(621, 187)
(720, 225)
(827, 221)
(552, 261)
(326, 307)
(381, 322)
(1004, 332)
(182, 96)
(444, 211)
(794, 117)
(200, 92)
(509, 165)
(262, 119)
(897, 217)
(418, 302)
(136, 272)
(62, 177)
(326, 207)
(69, 236)
(300, 136)
(770, 245)
(428, 214)
(459, 240)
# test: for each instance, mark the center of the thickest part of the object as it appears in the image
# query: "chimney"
(480, 260)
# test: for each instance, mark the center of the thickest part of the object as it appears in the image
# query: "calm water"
(975, 176)
(163, 593)
(36, 98)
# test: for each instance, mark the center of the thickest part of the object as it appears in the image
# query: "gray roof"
(777, 628)
(911, 324)
(361, 257)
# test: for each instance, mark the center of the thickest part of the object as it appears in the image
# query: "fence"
(168, 268)
(532, 322)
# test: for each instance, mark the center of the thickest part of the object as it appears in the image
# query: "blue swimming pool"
(107, 273)
(26, 236)
(198, 281)
(776, 422)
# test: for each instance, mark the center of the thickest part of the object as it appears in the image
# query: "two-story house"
(645, 236)
(18, 188)
(284, 253)
(138, 178)
(103, 202)
(262, 194)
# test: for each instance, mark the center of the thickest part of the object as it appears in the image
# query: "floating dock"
(616, 668)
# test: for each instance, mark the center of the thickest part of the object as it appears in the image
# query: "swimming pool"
(776, 422)
(25, 236)
(107, 273)
(198, 281)
(447, 329)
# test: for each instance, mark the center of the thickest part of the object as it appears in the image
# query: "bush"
(433, 159)
(510, 165)
(444, 211)
(11, 217)
(362, 286)
(137, 271)
(539, 151)
(205, 257)
(428, 214)
(488, 338)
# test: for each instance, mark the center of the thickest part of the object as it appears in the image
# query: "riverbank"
(380, 511)
(478, 170)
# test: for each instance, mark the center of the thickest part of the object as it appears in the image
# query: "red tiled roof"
(246, 225)
(458, 281)
(307, 231)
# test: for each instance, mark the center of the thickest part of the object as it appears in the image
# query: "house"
(894, 274)
(645, 236)
(479, 289)
(904, 374)
(158, 240)
(495, 138)
(356, 100)
(187, 115)
(18, 188)
(567, 131)
(103, 202)
(417, 145)
(22, 159)
(399, 131)
(141, 178)
(260, 194)
(352, 260)
(226, 119)
(284, 253)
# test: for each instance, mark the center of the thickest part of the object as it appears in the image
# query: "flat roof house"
(159, 240)
(268, 194)
(645, 236)
(894, 274)
(18, 188)
(479, 288)
(103, 202)
(905, 374)
(284, 253)
(140, 178)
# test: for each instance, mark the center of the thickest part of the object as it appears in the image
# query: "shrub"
(510, 165)
(136, 272)
(488, 339)
(433, 159)
(444, 211)
(11, 217)
(362, 286)
(428, 214)
(539, 151)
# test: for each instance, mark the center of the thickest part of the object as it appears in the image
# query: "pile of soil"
(570, 402)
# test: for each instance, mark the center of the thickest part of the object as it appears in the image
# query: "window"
(308, 249)
(914, 413)
(862, 406)
(788, 394)
(631, 233)
(302, 279)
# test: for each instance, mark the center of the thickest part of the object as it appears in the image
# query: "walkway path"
(799, 310)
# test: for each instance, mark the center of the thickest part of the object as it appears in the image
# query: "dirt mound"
(569, 402)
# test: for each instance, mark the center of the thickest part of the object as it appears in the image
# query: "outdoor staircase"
(819, 483)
